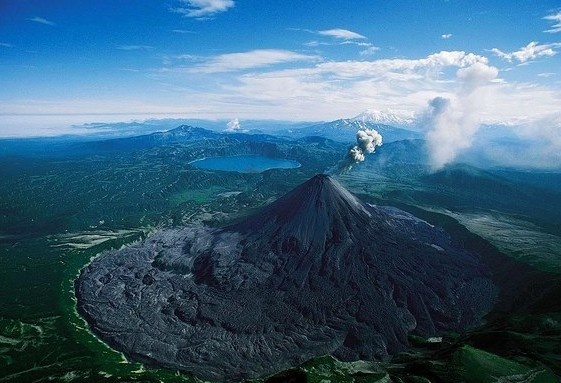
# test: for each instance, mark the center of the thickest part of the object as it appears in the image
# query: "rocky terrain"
(317, 272)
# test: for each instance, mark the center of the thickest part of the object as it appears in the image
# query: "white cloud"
(133, 47)
(366, 45)
(183, 31)
(530, 52)
(342, 34)
(556, 18)
(313, 90)
(234, 126)
(453, 58)
(331, 90)
(542, 144)
(446, 36)
(314, 43)
(453, 122)
(369, 51)
(203, 8)
(259, 58)
(41, 20)
(475, 76)
(6, 45)
(354, 42)
(341, 37)
(389, 68)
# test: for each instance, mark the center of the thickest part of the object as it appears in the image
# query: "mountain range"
(387, 117)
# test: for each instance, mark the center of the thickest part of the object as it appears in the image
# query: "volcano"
(317, 272)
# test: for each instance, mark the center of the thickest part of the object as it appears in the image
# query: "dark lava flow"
(316, 272)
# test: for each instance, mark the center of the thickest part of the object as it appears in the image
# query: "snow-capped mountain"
(344, 130)
(387, 117)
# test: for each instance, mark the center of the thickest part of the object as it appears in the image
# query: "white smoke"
(234, 126)
(356, 154)
(367, 142)
(452, 123)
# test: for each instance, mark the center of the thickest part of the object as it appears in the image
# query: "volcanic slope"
(317, 272)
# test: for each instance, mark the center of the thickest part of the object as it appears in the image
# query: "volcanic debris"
(317, 272)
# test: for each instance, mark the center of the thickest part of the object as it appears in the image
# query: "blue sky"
(287, 60)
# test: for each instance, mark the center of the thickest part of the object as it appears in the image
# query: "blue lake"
(245, 164)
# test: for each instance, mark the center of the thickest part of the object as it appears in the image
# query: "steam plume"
(233, 125)
(367, 141)
(453, 122)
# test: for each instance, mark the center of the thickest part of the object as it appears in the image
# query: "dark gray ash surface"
(317, 272)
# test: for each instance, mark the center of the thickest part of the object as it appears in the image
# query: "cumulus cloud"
(475, 75)
(386, 67)
(446, 36)
(249, 60)
(530, 52)
(556, 18)
(41, 20)
(203, 8)
(314, 90)
(342, 34)
(330, 90)
(452, 123)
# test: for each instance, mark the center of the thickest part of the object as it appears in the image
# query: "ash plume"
(367, 141)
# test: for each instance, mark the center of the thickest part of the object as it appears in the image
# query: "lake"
(245, 164)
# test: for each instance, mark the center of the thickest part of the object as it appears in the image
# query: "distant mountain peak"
(394, 128)
(388, 117)
(181, 129)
